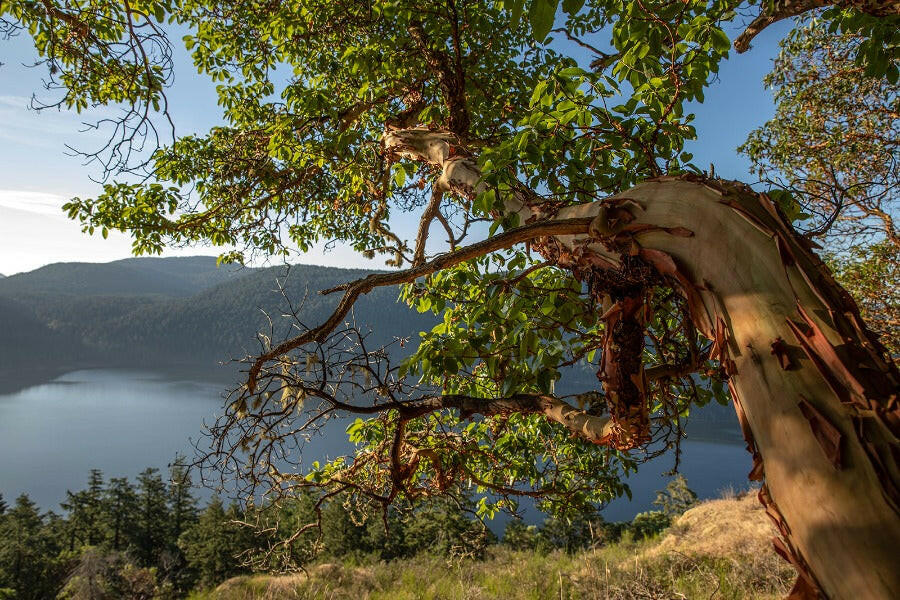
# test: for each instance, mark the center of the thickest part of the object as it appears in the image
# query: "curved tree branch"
(785, 9)
(355, 289)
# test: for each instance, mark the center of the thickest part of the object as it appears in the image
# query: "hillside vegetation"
(167, 311)
(719, 549)
(151, 539)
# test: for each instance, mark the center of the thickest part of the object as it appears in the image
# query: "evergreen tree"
(574, 532)
(213, 544)
(120, 505)
(84, 509)
(676, 498)
(182, 504)
(26, 554)
(342, 535)
(390, 542)
(103, 575)
(443, 526)
(75, 506)
(182, 514)
(520, 536)
(648, 524)
(152, 518)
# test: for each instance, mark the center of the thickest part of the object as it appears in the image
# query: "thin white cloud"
(14, 101)
(51, 127)
(35, 232)
(41, 203)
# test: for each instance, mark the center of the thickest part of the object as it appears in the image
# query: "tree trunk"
(817, 402)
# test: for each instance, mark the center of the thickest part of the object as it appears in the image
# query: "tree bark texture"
(817, 402)
(815, 397)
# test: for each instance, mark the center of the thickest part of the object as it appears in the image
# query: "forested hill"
(187, 312)
(169, 311)
(172, 277)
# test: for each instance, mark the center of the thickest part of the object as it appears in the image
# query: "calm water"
(123, 421)
(118, 421)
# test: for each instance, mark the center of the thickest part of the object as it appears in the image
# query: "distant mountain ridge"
(181, 276)
(171, 311)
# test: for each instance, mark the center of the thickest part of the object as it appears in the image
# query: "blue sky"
(37, 175)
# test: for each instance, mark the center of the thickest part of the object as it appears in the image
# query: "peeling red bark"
(810, 302)
(622, 373)
(781, 350)
(749, 279)
(828, 435)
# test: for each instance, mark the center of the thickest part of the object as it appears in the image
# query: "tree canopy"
(506, 126)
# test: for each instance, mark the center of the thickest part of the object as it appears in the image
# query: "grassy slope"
(720, 549)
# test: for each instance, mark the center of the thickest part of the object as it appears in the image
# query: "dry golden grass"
(724, 527)
(718, 550)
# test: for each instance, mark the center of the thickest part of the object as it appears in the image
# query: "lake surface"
(122, 421)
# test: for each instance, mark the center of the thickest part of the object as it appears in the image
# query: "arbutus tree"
(595, 242)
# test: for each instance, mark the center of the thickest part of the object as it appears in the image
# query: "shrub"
(648, 524)
(676, 498)
(519, 536)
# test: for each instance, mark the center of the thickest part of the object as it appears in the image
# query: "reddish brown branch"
(596, 429)
(355, 289)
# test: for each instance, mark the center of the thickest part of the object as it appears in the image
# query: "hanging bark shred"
(805, 587)
(802, 590)
(621, 369)
(828, 436)
(803, 333)
(787, 257)
(757, 472)
(667, 266)
(815, 341)
(622, 373)
(782, 352)
(883, 455)
(765, 498)
(720, 351)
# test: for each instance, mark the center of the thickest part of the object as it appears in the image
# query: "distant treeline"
(154, 311)
(119, 539)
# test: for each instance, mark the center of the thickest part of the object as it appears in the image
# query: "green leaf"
(572, 6)
(571, 72)
(720, 41)
(892, 73)
(515, 8)
(541, 15)
(400, 177)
